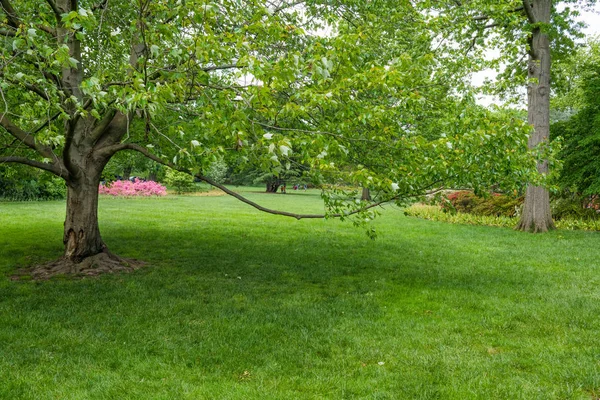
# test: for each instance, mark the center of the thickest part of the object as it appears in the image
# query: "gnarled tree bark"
(81, 233)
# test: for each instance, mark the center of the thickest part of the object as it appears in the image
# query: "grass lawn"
(237, 304)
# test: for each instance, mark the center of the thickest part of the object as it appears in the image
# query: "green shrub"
(499, 206)
(26, 184)
(181, 182)
(217, 170)
(575, 207)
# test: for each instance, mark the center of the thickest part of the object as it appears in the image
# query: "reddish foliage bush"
(494, 205)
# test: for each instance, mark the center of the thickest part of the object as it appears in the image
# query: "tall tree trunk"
(536, 215)
(81, 234)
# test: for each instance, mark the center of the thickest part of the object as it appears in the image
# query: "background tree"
(19, 183)
(540, 29)
(580, 134)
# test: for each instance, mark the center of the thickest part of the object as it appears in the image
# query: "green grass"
(242, 305)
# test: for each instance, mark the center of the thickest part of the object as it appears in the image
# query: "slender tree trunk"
(81, 234)
(127, 172)
(536, 215)
(366, 194)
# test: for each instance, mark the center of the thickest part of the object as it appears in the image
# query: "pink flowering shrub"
(131, 189)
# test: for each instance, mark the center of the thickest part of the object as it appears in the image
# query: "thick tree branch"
(101, 126)
(55, 9)
(25, 137)
(219, 67)
(109, 151)
(37, 164)
(14, 21)
(11, 14)
(38, 91)
(47, 29)
(277, 128)
(6, 32)
(286, 213)
(285, 5)
(100, 6)
(529, 11)
(46, 123)
(28, 86)
(484, 17)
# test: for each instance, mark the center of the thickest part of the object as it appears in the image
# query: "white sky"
(591, 18)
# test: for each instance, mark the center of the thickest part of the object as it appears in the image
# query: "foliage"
(580, 134)
(20, 184)
(126, 165)
(217, 170)
(136, 188)
(494, 204)
(435, 213)
(482, 25)
(181, 182)
(575, 207)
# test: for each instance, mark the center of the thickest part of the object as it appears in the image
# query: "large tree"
(183, 82)
(539, 29)
(536, 215)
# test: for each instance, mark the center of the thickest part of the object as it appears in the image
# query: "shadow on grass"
(296, 305)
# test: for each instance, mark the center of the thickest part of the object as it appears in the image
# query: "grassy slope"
(243, 305)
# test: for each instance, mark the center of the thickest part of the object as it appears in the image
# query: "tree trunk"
(81, 234)
(85, 254)
(536, 215)
(127, 172)
(273, 186)
(366, 194)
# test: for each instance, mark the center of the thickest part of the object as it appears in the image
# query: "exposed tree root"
(532, 227)
(102, 263)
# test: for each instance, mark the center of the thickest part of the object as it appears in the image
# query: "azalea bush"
(132, 189)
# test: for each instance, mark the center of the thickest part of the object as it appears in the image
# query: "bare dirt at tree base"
(103, 263)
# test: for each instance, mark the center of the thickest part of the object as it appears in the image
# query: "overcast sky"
(593, 21)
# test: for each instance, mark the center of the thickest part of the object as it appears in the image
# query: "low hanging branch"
(286, 213)
(56, 170)
(110, 150)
